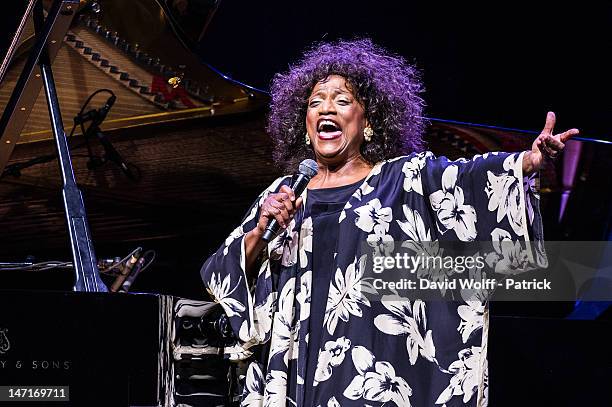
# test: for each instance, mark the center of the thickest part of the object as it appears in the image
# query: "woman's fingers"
(273, 213)
(289, 192)
(284, 212)
(549, 146)
(566, 135)
(550, 123)
(553, 143)
(549, 127)
(286, 201)
(280, 206)
(278, 212)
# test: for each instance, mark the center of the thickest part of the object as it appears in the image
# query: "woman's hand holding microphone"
(281, 206)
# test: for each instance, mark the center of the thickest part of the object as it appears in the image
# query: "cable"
(83, 106)
(92, 96)
(152, 252)
(114, 266)
(46, 265)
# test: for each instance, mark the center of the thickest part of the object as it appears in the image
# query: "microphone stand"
(110, 152)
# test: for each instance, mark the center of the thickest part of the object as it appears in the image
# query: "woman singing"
(298, 305)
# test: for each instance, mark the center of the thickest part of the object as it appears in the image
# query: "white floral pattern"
(509, 256)
(303, 296)
(276, 389)
(414, 227)
(263, 315)
(412, 171)
(531, 192)
(285, 246)
(239, 231)
(504, 192)
(332, 402)
(376, 381)
(305, 242)
(407, 319)
(222, 291)
(472, 318)
(479, 294)
(345, 295)
(253, 395)
(453, 213)
(373, 217)
(332, 355)
(466, 376)
(400, 200)
(382, 245)
(284, 336)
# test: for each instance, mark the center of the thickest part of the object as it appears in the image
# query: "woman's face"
(335, 121)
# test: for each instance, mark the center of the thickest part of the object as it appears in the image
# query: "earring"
(307, 140)
(367, 134)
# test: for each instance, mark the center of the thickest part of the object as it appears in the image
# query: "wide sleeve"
(486, 199)
(248, 306)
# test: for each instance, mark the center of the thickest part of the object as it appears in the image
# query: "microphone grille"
(309, 168)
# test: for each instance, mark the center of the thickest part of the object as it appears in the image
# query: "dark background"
(502, 64)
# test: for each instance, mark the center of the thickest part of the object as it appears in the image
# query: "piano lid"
(133, 48)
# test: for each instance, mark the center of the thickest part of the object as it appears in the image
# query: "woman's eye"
(344, 102)
(313, 103)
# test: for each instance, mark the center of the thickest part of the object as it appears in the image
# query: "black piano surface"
(108, 349)
(105, 347)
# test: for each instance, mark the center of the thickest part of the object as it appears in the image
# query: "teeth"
(327, 123)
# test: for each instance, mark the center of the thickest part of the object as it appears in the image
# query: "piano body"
(200, 154)
(115, 349)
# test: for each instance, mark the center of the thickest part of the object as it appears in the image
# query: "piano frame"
(50, 31)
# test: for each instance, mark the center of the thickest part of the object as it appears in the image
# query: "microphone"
(103, 111)
(125, 287)
(110, 153)
(126, 270)
(96, 115)
(308, 169)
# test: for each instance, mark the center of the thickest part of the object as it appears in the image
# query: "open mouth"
(328, 129)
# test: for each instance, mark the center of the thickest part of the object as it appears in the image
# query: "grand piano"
(195, 154)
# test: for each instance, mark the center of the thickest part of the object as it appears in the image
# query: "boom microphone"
(308, 169)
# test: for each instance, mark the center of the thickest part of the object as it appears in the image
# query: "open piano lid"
(134, 48)
(102, 48)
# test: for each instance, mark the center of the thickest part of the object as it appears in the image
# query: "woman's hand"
(546, 146)
(280, 206)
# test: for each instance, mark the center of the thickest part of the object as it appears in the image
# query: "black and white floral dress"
(394, 351)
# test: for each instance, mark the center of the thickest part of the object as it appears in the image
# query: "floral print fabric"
(394, 351)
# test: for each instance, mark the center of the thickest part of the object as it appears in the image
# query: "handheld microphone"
(308, 169)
